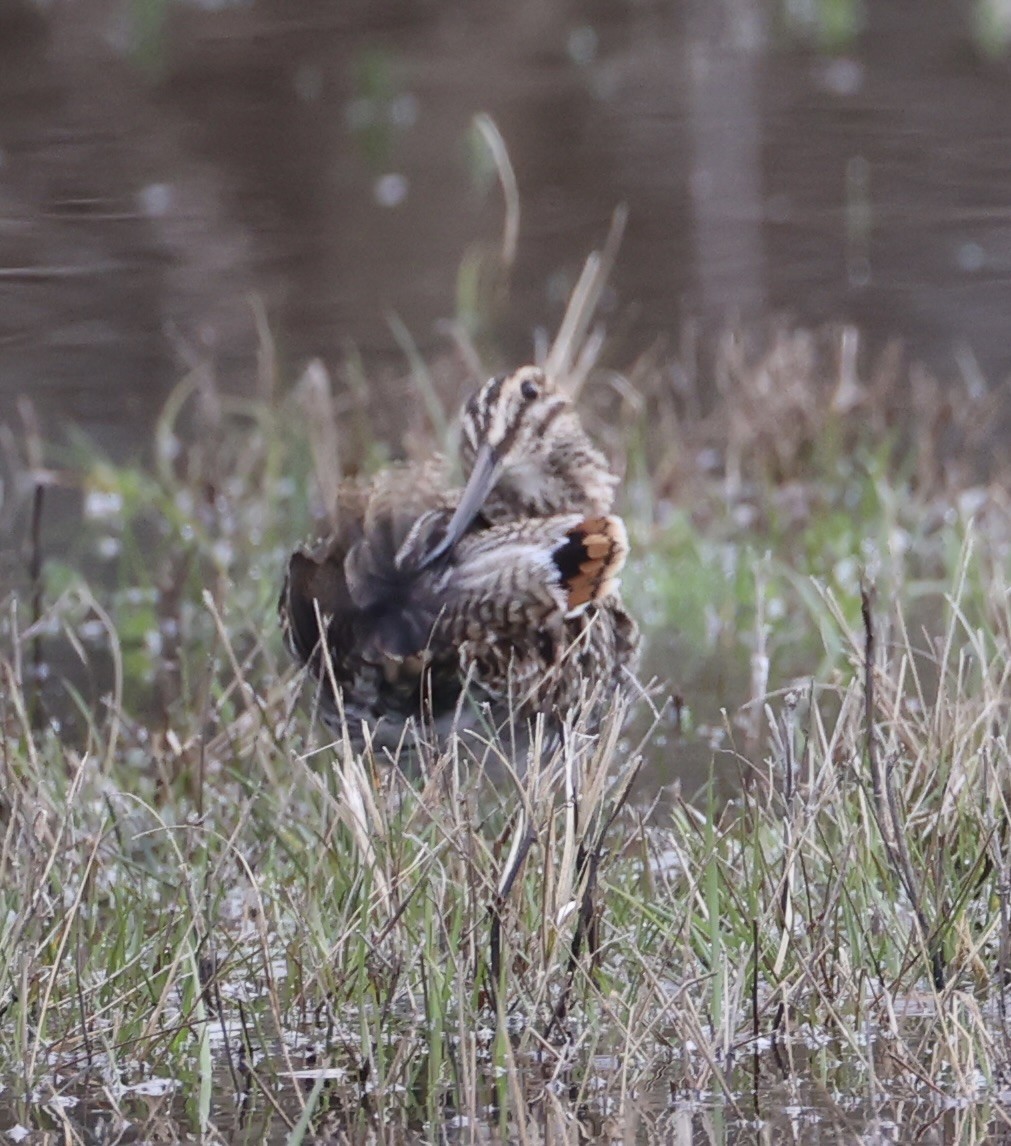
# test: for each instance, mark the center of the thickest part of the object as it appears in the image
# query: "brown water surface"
(161, 163)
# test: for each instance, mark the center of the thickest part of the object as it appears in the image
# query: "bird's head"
(526, 455)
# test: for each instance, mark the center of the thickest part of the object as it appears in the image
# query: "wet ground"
(163, 162)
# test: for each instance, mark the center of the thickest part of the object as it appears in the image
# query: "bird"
(499, 601)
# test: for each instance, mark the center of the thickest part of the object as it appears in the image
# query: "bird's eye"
(529, 390)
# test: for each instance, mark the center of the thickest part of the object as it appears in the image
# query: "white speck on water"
(63, 1101)
(91, 630)
(709, 460)
(108, 547)
(899, 542)
(100, 504)
(403, 111)
(971, 501)
(155, 200)
(224, 554)
(391, 190)
(842, 77)
(970, 257)
(582, 45)
(847, 573)
(153, 1086)
(139, 595)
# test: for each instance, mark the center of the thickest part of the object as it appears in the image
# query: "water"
(788, 1094)
(163, 163)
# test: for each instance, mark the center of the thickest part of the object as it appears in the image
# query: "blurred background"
(166, 163)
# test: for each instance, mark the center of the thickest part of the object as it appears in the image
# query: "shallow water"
(163, 162)
(786, 1093)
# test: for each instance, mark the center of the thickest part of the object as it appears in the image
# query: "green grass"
(196, 887)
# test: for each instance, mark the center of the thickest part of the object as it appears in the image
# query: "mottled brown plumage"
(502, 595)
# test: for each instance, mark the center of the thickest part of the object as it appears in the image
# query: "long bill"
(483, 477)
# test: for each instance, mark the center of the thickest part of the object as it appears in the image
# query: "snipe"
(426, 600)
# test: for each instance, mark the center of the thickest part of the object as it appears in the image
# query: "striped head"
(527, 454)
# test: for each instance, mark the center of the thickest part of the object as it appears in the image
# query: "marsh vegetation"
(217, 921)
(772, 902)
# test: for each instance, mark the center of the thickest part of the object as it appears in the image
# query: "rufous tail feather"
(591, 560)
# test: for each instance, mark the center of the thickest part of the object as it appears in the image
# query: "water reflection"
(163, 162)
(785, 1094)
